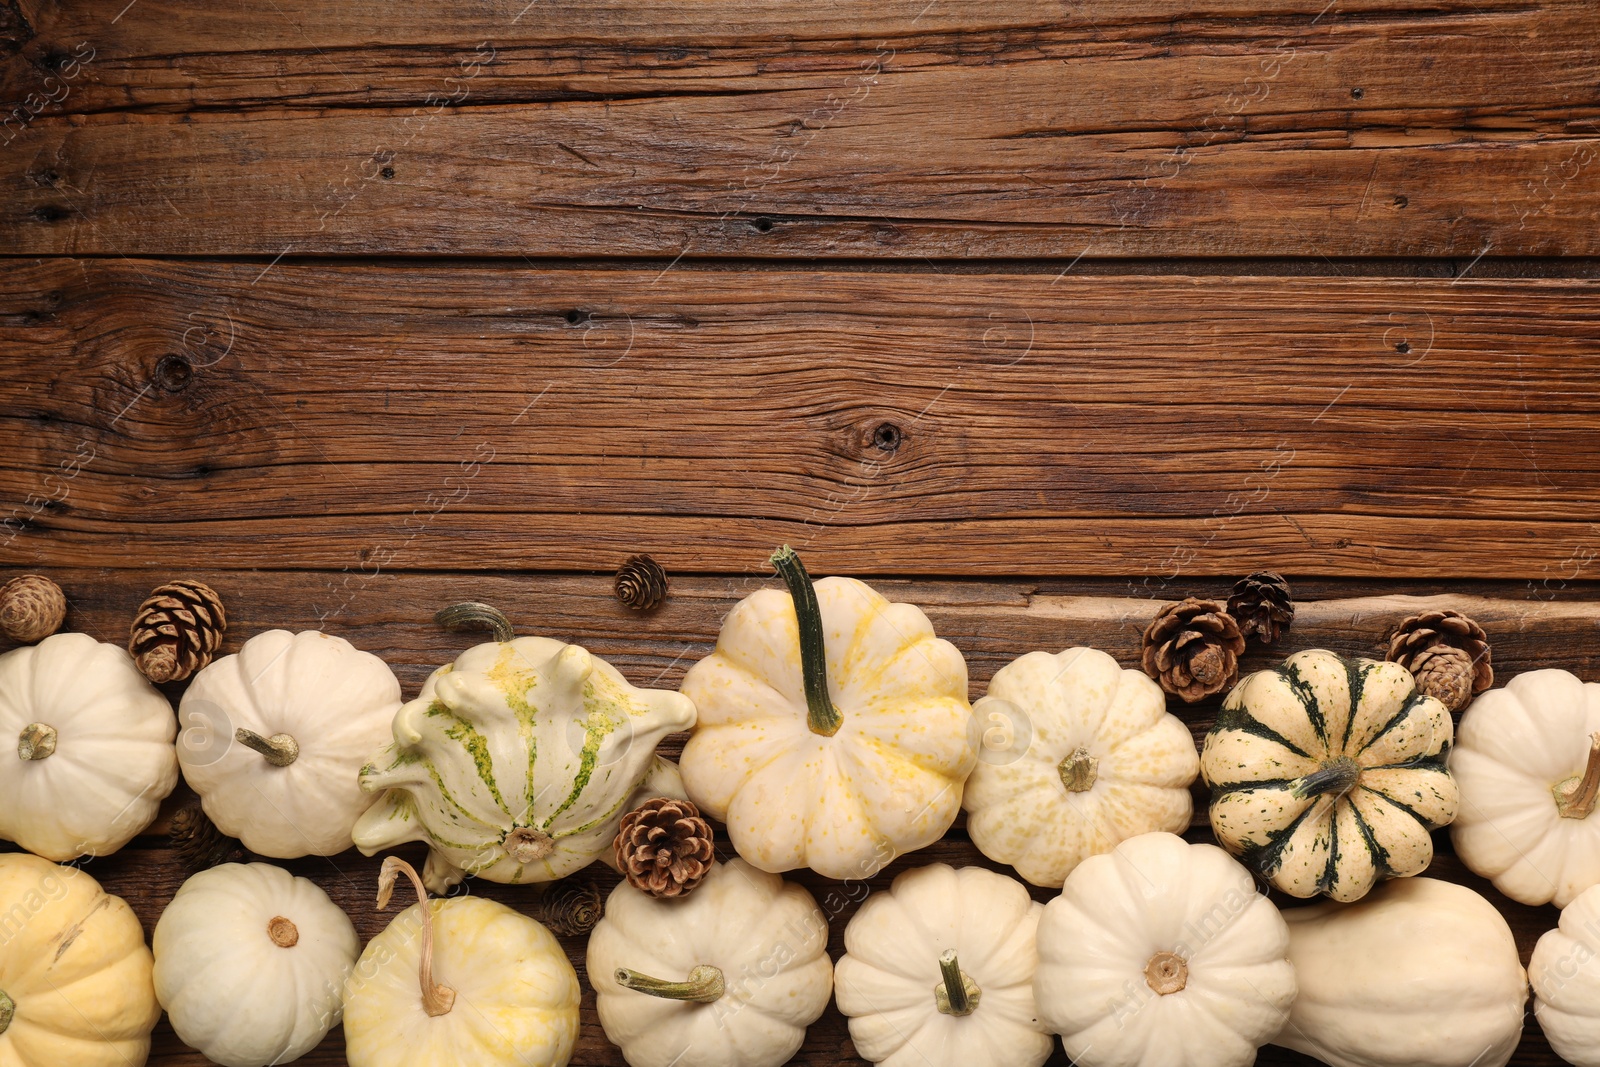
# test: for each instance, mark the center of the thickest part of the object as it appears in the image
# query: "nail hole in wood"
(386, 173)
(1401, 201)
(173, 373)
(1358, 93)
(886, 438)
(763, 225)
(575, 317)
(1403, 347)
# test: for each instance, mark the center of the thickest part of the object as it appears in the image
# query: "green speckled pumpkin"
(1328, 773)
(516, 763)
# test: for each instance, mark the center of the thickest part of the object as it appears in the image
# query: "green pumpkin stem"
(1575, 797)
(822, 716)
(437, 999)
(704, 985)
(471, 615)
(280, 750)
(8, 1009)
(1336, 777)
(956, 994)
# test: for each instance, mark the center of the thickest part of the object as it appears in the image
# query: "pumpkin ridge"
(1307, 696)
(1356, 671)
(1269, 857)
(1379, 854)
(465, 733)
(1236, 718)
(1403, 713)
(1408, 809)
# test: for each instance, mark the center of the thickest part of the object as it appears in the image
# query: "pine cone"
(664, 847)
(1446, 672)
(1419, 636)
(1192, 648)
(177, 631)
(1262, 606)
(571, 907)
(197, 841)
(641, 583)
(32, 608)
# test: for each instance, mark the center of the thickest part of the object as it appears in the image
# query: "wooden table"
(1037, 315)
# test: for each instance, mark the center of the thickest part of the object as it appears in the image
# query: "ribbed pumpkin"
(1328, 773)
(517, 762)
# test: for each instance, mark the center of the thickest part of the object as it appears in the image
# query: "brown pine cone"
(1446, 672)
(1261, 605)
(572, 907)
(664, 847)
(197, 841)
(1421, 633)
(641, 583)
(32, 608)
(177, 631)
(1192, 648)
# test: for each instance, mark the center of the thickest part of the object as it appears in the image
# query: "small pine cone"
(1262, 606)
(1420, 634)
(664, 847)
(177, 631)
(641, 583)
(572, 907)
(199, 844)
(1446, 672)
(32, 608)
(1192, 648)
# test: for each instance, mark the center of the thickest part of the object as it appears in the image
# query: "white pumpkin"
(74, 971)
(1565, 975)
(834, 728)
(275, 738)
(250, 964)
(88, 753)
(1097, 760)
(729, 975)
(938, 972)
(464, 982)
(517, 762)
(1162, 952)
(1527, 761)
(1420, 973)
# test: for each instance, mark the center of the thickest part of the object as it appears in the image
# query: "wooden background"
(1035, 314)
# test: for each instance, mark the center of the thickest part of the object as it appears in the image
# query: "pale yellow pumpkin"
(834, 731)
(75, 975)
(464, 982)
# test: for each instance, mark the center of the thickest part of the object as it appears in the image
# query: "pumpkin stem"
(8, 1008)
(822, 716)
(284, 933)
(957, 994)
(1079, 771)
(704, 984)
(1167, 972)
(1575, 797)
(280, 750)
(436, 999)
(37, 741)
(1336, 777)
(471, 615)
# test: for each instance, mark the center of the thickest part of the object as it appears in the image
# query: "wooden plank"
(955, 130)
(990, 621)
(390, 614)
(437, 416)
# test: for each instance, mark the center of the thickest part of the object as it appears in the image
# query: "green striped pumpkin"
(1328, 773)
(517, 762)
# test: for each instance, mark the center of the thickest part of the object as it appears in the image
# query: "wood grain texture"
(991, 622)
(434, 416)
(852, 128)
